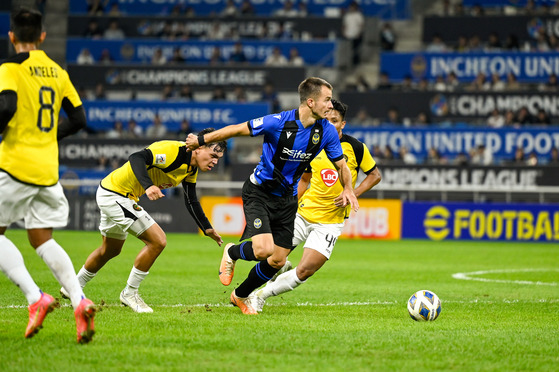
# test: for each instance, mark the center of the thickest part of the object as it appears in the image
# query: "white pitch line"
(331, 304)
(468, 276)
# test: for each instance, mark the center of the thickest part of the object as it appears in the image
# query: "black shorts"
(266, 213)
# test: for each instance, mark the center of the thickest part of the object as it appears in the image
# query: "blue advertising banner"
(502, 143)
(4, 24)
(101, 115)
(138, 50)
(477, 221)
(396, 9)
(528, 67)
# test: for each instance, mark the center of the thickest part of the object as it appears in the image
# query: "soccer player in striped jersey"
(33, 88)
(161, 165)
(321, 215)
(291, 140)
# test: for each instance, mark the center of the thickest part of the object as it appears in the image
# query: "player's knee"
(262, 252)
(160, 243)
(109, 251)
(305, 272)
(277, 263)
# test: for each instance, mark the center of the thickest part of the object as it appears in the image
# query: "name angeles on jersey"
(296, 155)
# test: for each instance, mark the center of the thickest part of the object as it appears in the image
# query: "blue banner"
(528, 67)
(397, 9)
(101, 115)
(450, 142)
(4, 24)
(137, 50)
(472, 221)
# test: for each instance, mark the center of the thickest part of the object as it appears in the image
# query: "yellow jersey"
(29, 147)
(170, 166)
(317, 203)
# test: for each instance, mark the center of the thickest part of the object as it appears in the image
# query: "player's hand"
(215, 236)
(153, 193)
(192, 142)
(347, 197)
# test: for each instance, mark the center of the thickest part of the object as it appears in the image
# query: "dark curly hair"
(220, 146)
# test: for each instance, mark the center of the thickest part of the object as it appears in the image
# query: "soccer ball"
(424, 306)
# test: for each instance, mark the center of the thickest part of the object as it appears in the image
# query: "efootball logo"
(436, 223)
(329, 176)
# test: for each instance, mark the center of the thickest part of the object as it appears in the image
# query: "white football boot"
(135, 302)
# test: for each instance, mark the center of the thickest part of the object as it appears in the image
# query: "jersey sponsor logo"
(160, 159)
(315, 138)
(329, 176)
(257, 122)
(258, 223)
(288, 134)
(296, 155)
(165, 186)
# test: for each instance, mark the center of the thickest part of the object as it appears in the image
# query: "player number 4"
(331, 240)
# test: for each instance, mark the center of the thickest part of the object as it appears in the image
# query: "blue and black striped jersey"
(288, 149)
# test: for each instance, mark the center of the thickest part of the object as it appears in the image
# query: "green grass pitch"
(351, 316)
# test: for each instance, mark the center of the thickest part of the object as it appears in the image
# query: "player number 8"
(48, 105)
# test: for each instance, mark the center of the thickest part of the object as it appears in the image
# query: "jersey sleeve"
(333, 147)
(368, 163)
(7, 80)
(164, 153)
(264, 124)
(70, 92)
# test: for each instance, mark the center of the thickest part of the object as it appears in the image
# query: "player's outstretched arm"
(193, 141)
(194, 207)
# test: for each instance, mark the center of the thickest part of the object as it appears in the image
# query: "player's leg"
(261, 245)
(13, 266)
(256, 216)
(61, 266)
(280, 220)
(112, 226)
(155, 240)
(109, 249)
(318, 248)
(14, 208)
